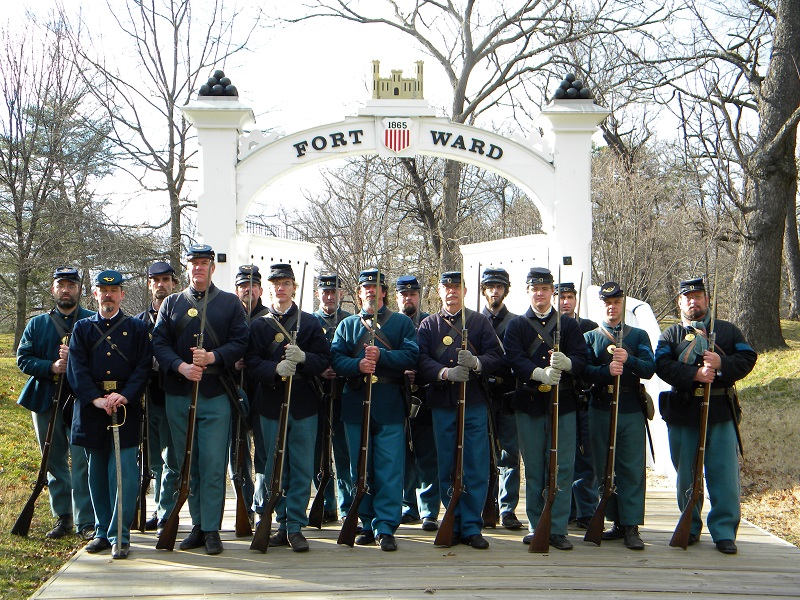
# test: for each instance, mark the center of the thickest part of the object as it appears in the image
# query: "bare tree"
(491, 54)
(174, 45)
(51, 154)
(740, 88)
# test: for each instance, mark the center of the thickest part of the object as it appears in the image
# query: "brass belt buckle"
(109, 386)
(698, 391)
(545, 387)
(374, 378)
(610, 389)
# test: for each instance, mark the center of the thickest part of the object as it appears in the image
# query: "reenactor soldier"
(249, 291)
(632, 360)
(444, 364)
(110, 362)
(163, 462)
(684, 360)
(43, 356)
(421, 497)
(495, 285)
(285, 343)
(330, 314)
(529, 342)
(395, 351)
(183, 363)
(585, 494)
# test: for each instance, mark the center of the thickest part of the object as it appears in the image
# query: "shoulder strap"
(543, 334)
(105, 336)
(186, 319)
(60, 326)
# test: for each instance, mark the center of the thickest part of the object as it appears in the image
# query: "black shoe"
(583, 522)
(152, 523)
(367, 538)
(63, 526)
(477, 541)
(693, 539)
(213, 543)
(120, 551)
(98, 544)
(727, 547)
(617, 532)
(527, 539)
(279, 539)
(510, 521)
(298, 542)
(560, 542)
(430, 524)
(388, 543)
(160, 527)
(330, 516)
(408, 518)
(194, 540)
(632, 539)
(86, 533)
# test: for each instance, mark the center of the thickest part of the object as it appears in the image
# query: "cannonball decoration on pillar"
(218, 85)
(572, 88)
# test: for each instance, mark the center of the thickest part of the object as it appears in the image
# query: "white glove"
(561, 361)
(467, 359)
(286, 368)
(548, 375)
(294, 354)
(459, 373)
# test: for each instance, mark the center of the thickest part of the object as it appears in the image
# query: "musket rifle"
(491, 508)
(540, 542)
(445, 535)
(23, 522)
(242, 526)
(347, 535)
(594, 532)
(680, 538)
(166, 541)
(145, 476)
(264, 530)
(317, 512)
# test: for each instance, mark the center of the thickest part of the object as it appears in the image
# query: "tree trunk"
(175, 250)
(771, 180)
(21, 306)
(791, 253)
(450, 258)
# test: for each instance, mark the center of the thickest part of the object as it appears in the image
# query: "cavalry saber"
(114, 427)
(594, 533)
(680, 538)
(264, 530)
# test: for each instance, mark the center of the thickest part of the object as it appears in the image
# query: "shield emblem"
(397, 134)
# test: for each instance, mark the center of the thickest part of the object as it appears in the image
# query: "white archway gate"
(236, 166)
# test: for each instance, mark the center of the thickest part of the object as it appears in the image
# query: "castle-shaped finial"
(396, 87)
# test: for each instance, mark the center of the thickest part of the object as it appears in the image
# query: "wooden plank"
(764, 567)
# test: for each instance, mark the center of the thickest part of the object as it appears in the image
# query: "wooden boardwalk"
(765, 567)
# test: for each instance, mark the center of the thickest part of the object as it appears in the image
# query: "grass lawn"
(770, 469)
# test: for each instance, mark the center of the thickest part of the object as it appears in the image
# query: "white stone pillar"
(219, 122)
(574, 122)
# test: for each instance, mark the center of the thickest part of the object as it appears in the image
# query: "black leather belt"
(110, 386)
(699, 391)
(622, 389)
(378, 379)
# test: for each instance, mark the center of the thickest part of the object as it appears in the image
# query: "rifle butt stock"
(264, 530)
(680, 537)
(23, 523)
(445, 534)
(594, 533)
(317, 512)
(347, 535)
(540, 542)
